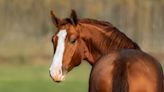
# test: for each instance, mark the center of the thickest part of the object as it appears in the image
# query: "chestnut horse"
(118, 64)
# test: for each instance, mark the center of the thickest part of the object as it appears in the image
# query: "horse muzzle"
(57, 76)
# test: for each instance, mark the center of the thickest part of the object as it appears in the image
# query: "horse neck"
(100, 42)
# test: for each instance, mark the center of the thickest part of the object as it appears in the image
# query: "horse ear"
(73, 17)
(55, 20)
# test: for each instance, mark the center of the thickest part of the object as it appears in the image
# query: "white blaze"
(56, 66)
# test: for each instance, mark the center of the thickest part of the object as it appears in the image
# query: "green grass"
(35, 78)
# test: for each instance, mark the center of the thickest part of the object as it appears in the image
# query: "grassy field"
(35, 78)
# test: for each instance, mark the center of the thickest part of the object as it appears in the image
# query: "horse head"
(69, 48)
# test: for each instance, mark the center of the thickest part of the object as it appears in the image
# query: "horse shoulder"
(101, 74)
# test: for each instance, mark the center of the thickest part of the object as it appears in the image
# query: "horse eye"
(72, 40)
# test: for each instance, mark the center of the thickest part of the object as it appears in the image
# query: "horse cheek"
(68, 57)
(77, 57)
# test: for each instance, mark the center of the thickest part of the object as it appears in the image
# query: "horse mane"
(116, 40)
(102, 24)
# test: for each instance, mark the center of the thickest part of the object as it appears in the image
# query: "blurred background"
(26, 31)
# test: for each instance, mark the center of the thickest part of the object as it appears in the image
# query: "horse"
(118, 63)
